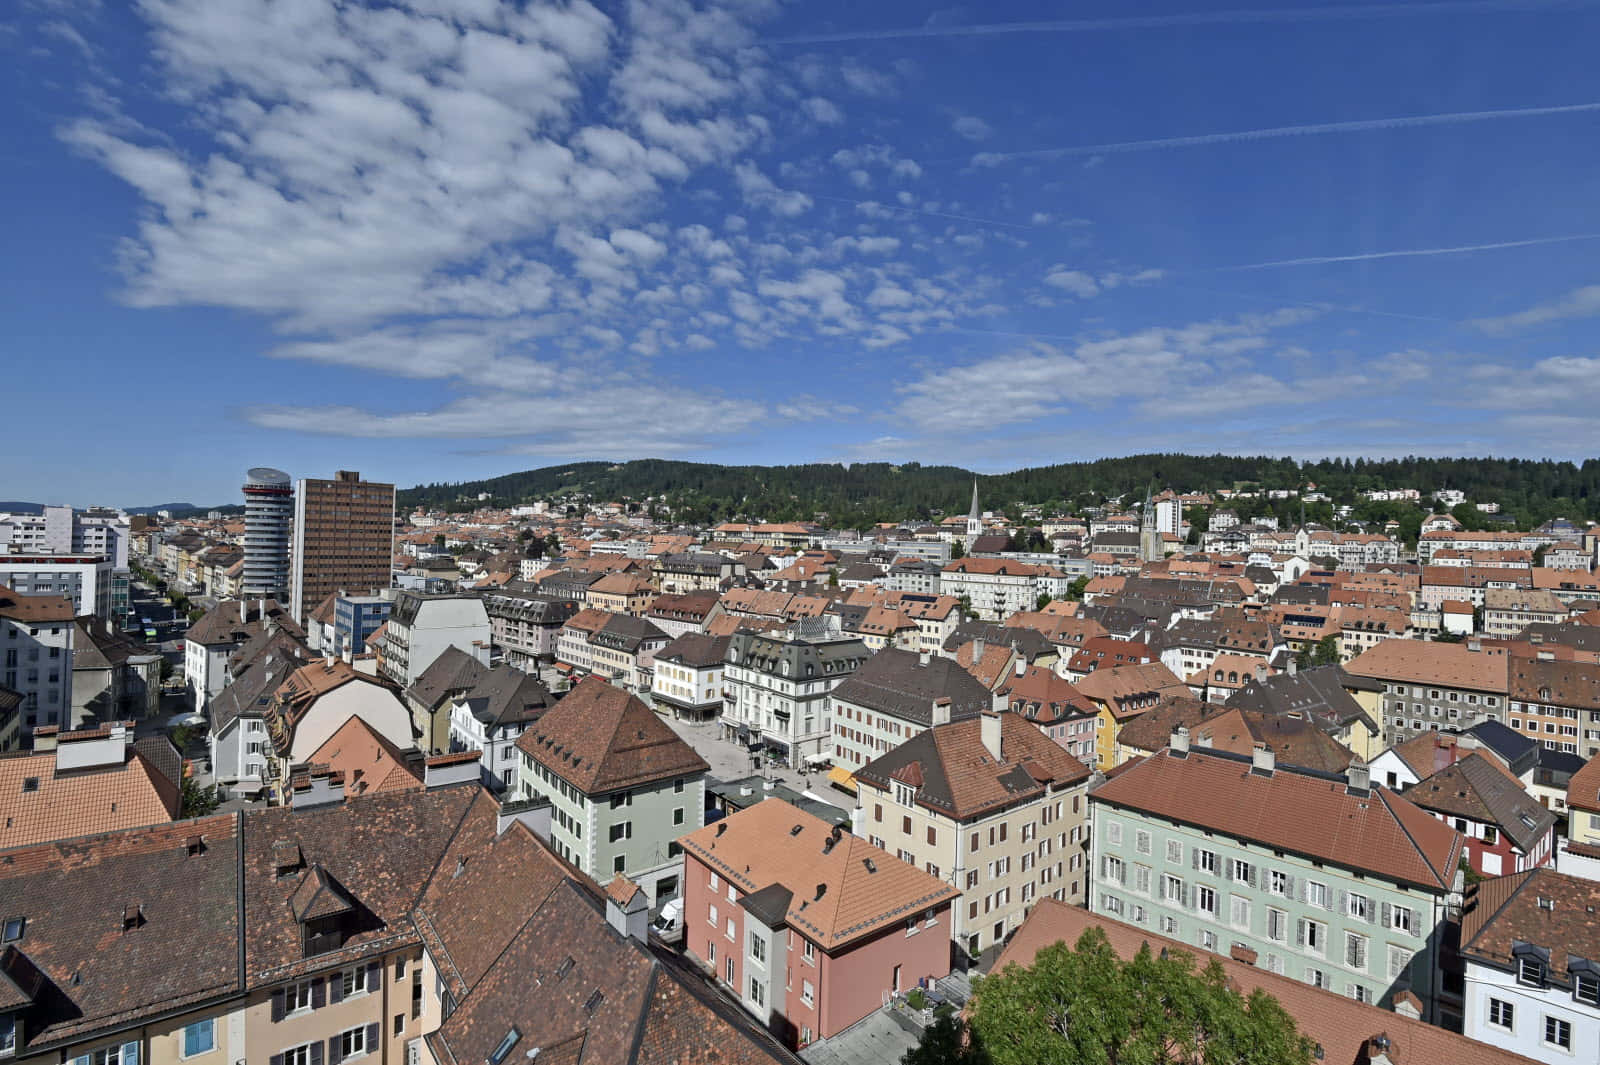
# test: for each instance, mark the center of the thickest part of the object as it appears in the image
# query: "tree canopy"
(1085, 1005)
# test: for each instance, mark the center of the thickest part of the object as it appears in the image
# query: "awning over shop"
(841, 778)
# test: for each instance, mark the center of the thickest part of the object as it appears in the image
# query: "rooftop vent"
(796, 830)
(132, 916)
(871, 868)
(1546, 903)
(593, 1001)
(822, 889)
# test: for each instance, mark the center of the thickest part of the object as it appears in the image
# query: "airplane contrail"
(1408, 253)
(1271, 132)
(1200, 18)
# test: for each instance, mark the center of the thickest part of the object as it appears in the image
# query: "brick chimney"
(991, 730)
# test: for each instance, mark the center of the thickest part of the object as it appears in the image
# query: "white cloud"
(972, 128)
(1077, 282)
(1580, 303)
(760, 191)
(821, 110)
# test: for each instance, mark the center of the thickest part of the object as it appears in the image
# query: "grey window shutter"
(1288, 886)
(373, 1036)
(374, 976)
(1343, 902)
(1387, 913)
(1416, 923)
(1194, 857)
(1250, 876)
(277, 1007)
(334, 1050)
(1300, 933)
(316, 1052)
(276, 1059)
(336, 987)
(319, 993)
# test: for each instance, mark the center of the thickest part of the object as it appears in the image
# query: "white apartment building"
(999, 587)
(422, 625)
(35, 663)
(687, 681)
(777, 691)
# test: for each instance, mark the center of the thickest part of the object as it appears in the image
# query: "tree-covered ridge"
(1531, 490)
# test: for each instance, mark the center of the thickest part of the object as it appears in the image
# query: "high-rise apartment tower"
(343, 540)
(268, 511)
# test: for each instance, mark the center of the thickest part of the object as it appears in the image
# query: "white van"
(668, 925)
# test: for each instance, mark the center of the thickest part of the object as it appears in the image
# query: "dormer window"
(1586, 987)
(13, 929)
(1530, 970)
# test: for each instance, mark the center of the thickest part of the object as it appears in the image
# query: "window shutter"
(1416, 923)
(334, 1050)
(130, 1054)
(375, 976)
(1387, 913)
(319, 993)
(1343, 901)
(1194, 857)
(316, 1052)
(277, 1014)
(276, 1059)
(336, 987)
(373, 1035)
(1300, 933)
(1251, 876)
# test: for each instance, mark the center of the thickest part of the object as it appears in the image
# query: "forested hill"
(866, 492)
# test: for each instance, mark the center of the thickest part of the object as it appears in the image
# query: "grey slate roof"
(1473, 788)
(1030, 643)
(899, 684)
(1318, 693)
(695, 649)
(507, 696)
(453, 672)
(248, 694)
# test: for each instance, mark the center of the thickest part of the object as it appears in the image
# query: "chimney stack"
(1358, 778)
(1262, 760)
(941, 710)
(1179, 743)
(990, 730)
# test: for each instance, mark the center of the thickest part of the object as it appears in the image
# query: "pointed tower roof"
(973, 515)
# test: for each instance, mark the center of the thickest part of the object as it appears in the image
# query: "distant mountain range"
(1531, 489)
(12, 506)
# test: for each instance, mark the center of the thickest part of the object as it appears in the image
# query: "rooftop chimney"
(1294, 667)
(1262, 760)
(941, 710)
(320, 787)
(1358, 778)
(1179, 743)
(630, 915)
(990, 729)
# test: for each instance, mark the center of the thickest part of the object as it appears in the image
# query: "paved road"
(730, 761)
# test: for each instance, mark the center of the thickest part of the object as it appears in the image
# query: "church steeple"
(974, 517)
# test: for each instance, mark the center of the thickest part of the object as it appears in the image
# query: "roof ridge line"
(1527, 875)
(1455, 847)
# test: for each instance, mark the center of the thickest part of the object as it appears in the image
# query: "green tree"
(1041, 602)
(966, 606)
(1076, 588)
(438, 539)
(957, 550)
(1085, 1005)
(552, 544)
(946, 1042)
(198, 801)
(1327, 652)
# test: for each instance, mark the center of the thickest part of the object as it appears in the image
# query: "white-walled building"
(778, 688)
(423, 624)
(35, 663)
(999, 587)
(491, 716)
(1531, 946)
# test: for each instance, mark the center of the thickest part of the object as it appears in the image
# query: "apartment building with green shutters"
(1316, 876)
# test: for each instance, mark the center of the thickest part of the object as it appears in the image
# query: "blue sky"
(440, 239)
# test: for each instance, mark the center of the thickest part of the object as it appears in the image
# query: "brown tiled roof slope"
(599, 738)
(960, 779)
(1294, 741)
(1541, 907)
(1453, 665)
(1583, 790)
(1151, 730)
(34, 608)
(527, 946)
(368, 762)
(72, 895)
(866, 888)
(1477, 787)
(80, 802)
(1293, 810)
(1341, 1027)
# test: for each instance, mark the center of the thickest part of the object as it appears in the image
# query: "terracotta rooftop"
(600, 739)
(1306, 813)
(369, 762)
(41, 803)
(32, 609)
(1453, 665)
(840, 891)
(1552, 911)
(956, 775)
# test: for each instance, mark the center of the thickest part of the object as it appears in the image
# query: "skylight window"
(505, 1046)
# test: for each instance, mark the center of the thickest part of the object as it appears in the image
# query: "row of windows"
(1557, 1032)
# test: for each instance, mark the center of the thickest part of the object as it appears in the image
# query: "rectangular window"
(1359, 906)
(1558, 1033)
(758, 948)
(300, 1055)
(1280, 882)
(1586, 988)
(1530, 970)
(354, 981)
(200, 1038)
(1206, 861)
(1355, 951)
(1243, 873)
(352, 1043)
(1400, 919)
(712, 915)
(1317, 894)
(1502, 1014)
(1141, 841)
(1114, 833)
(1317, 978)
(1239, 911)
(1277, 925)
(1174, 851)
(1205, 900)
